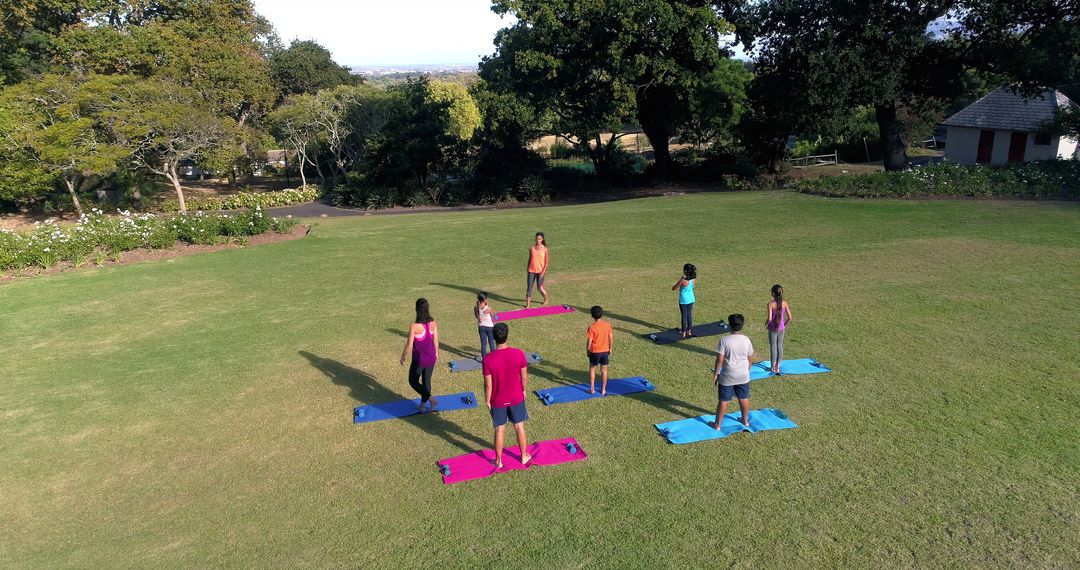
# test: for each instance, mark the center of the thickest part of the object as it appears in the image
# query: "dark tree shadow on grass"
(366, 389)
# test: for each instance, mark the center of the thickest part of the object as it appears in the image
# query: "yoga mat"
(672, 335)
(402, 408)
(467, 364)
(700, 428)
(532, 312)
(801, 366)
(578, 392)
(480, 464)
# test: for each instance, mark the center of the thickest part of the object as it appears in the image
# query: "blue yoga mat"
(402, 408)
(800, 366)
(578, 392)
(467, 364)
(701, 429)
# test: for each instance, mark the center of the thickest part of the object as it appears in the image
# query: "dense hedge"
(96, 237)
(245, 200)
(1052, 179)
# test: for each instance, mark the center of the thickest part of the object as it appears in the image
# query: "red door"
(1017, 147)
(986, 147)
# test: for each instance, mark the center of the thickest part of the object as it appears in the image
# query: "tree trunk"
(776, 157)
(70, 183)
(653, 118)
(175, 179)
(893, 148)
(303, 163)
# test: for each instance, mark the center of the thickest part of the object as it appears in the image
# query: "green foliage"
(419, 144)
(60, 125)
(247, 200)
(307, 67)
(283, 225)
(587, 68)
(98, 236)
(1055, 179)
(463, 115)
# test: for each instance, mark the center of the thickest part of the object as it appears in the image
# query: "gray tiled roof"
(1007, 111)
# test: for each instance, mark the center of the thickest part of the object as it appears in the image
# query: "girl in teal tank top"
(685, 285)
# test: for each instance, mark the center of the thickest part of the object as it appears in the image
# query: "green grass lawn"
(196, 412)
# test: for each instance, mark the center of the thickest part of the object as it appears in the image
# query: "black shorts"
(740, 391)
(599, 358)
(516, 414)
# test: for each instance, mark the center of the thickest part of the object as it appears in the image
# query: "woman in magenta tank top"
(424, 344)
(778, 318)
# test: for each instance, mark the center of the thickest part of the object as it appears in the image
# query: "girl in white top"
(484, 324)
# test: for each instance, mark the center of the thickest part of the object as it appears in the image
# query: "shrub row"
(246, 200)
(1056, 179)
(97, 236)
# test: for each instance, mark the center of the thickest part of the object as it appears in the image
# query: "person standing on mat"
(685, 285)
(598, 341)
(424, 344)
(776, 322)
(731, 376)
(506, 375)
(537, 269)
(483, 322)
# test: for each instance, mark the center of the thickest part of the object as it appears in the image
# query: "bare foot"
(525, 458)
(603, 393)
(716, 424)
(433, 403)
(498, 465)
(745, 422)
(592, 390)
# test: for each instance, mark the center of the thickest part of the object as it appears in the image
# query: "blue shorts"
(740, 391)
(599, 358)
(516, 414)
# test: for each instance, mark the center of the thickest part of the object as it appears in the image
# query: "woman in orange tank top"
(537, 269)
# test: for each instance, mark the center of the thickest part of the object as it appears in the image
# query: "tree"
(164, 124)
(419, 142)
(590, 66)
(307, 67)
(56, 125)
(293, 124)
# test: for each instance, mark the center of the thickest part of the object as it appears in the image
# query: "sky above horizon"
(389, 32)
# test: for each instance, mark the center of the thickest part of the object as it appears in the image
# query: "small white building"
(1004, 127)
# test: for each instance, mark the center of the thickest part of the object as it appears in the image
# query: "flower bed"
(96, 236)
(245, 200)
(1053, 179)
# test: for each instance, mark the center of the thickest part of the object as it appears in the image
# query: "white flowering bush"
(247, 200)
(97, 233)
(1057, 179)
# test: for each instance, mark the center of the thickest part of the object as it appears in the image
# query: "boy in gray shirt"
(734, 356)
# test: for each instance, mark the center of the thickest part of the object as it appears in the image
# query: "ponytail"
(778, 297)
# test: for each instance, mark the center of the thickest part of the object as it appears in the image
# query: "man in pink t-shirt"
(505, 376)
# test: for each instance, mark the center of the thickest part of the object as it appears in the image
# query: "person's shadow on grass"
(491, 295)
(443, 347)
(366, 389)
(567, 376)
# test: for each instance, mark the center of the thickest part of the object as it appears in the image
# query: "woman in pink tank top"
(423, 342)
(778, 318)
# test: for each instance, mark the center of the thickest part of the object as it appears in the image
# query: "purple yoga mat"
(532, 312)
(481, 464)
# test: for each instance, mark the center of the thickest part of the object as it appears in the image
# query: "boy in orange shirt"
(598, 341)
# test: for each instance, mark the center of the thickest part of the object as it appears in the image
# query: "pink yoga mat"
(533, 312)
(480, 464)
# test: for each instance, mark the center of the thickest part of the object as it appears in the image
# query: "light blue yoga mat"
(799, 366)
(403, 408)
(700, 428)
(467, 364)
(578, 392)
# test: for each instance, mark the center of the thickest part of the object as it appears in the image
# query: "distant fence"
(815, 160)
